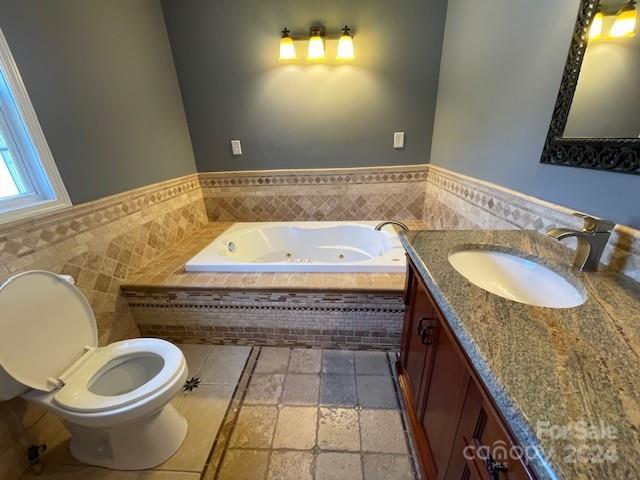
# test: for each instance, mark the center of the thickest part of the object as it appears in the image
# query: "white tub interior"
(302, 247)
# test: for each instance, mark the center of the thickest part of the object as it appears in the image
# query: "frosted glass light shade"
(345, 48)
(595, 32)
(316, 48)
(287, 49)
(625, 24)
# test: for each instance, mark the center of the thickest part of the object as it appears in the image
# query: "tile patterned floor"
(275, 413)
(314, 414)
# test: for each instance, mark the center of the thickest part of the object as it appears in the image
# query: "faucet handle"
(594, 224)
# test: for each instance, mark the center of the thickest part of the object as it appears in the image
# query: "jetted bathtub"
(302, 247)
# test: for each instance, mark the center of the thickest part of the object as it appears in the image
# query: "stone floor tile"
(371, 363)
(387, 467)
(13, 461)
(83, 472)
(273, 360)
(338, 429)
(301, 389)
(165, 475)
(382, 431)
(287, 465)
(10, 427)
(375, 391)
(58, 451)
(337, 361)
(48, 430)
(296, 428)
(224, 364)
(204, 408)
(305, 360)
(244, 465)
(338, 466)
(338, 390)
(264, 388)
(254, 427)
(195, 355)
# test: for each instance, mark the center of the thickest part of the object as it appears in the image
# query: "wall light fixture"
(316, 44)
(345, 45)
(287, 49)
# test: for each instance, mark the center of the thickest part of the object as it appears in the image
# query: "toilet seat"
(76, 394)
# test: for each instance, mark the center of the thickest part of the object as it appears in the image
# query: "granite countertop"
(548, 368)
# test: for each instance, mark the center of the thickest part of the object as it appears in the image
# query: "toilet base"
(138, 445)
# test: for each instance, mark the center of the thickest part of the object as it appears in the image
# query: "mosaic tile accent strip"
(455, 201)
(319, 319)
(332, 194)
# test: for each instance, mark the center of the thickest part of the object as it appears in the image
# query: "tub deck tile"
(168, 271)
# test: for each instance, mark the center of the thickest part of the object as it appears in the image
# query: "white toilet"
(114, 400)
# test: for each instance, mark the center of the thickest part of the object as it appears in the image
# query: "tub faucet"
(592, 240)
(391, 222)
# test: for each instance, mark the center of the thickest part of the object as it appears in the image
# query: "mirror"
(606, 103)
(596, 121)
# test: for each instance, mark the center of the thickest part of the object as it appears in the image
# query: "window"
(29, 180)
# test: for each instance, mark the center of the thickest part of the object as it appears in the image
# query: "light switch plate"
(398, 140)
(236, 147)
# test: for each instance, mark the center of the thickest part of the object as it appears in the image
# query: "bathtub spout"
(391, 222)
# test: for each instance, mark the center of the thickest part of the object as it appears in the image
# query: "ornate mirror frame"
(612, 154)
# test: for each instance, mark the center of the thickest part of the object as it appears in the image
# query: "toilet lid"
(45, 323)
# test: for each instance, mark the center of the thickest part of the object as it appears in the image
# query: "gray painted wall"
(501, 68)
(102, 81)
(299, 115)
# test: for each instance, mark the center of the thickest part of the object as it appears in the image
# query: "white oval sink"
(516, 278)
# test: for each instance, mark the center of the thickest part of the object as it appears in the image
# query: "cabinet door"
(421, 333)
(444, 400)
(482, 447)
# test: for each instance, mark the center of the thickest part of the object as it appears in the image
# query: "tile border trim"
(120, 204)
(439, 176)
(306, 177)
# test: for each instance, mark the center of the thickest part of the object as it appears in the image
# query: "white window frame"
(28, 145)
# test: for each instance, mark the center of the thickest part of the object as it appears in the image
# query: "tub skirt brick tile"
(313, 319)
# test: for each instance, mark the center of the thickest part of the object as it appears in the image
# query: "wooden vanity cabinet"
(447, 406)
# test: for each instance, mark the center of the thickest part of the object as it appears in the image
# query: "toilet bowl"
(114, 399)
